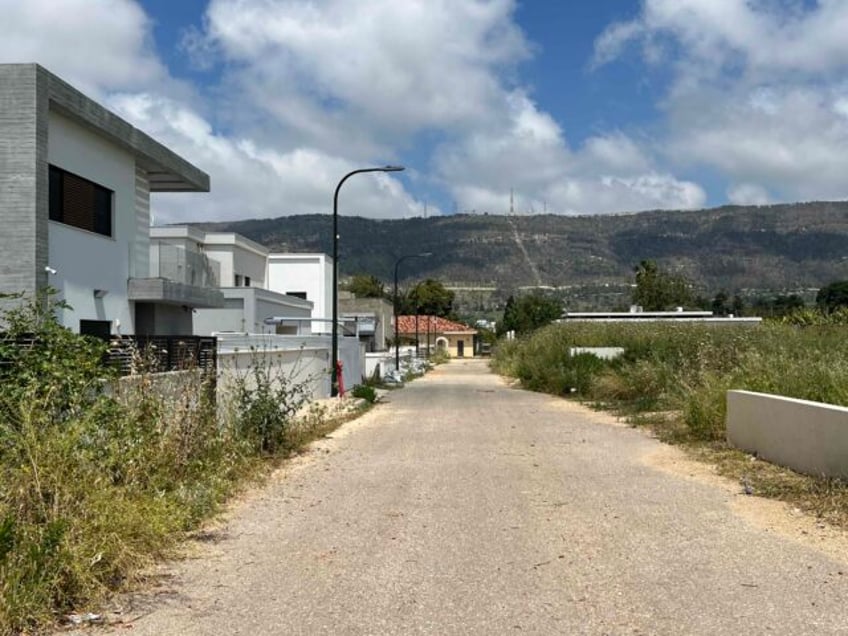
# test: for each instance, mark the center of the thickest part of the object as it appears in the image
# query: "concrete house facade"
(306, 276)
(240, 268)
(75, 185)
(369, 318)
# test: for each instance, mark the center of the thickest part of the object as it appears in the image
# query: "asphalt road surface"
(464, 506)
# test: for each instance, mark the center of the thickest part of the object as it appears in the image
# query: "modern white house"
(75, 185)
(239, 266)
(306, 276)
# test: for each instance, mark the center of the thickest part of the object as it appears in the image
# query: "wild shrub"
(685, 367)
(365, 392)
(99, 475)
(265, 403)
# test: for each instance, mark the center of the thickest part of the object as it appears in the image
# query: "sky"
(566, 107)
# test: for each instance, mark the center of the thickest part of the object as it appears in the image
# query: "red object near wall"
(340, 377)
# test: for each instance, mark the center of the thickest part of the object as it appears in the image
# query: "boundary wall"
(809, 437)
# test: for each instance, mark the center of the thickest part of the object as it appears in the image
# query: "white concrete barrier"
(809, 437)
(604, 353)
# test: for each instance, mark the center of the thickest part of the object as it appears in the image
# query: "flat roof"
(177, 232)
(166, 170)
(637, 314)
(233, 238)
(671, 318)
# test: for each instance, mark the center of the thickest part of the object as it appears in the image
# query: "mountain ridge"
(777, 247)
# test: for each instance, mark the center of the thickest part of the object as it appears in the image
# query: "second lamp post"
(397, 264)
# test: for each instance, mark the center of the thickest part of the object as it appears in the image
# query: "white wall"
(307, 366)
(85, 260)
(246, 310)
(235, 259)
(310, 273)
(302, 357)
(810, 437)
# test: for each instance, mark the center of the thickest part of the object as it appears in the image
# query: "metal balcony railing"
(182, 266)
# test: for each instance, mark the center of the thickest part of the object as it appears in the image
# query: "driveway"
(464, 506)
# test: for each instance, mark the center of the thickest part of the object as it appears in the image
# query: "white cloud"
(372, 77)
(310, 90)
(393, 67)
(529, 156)
(94, 44)
(255, 181)
(763, 36)
(758, 90)
(748, 194)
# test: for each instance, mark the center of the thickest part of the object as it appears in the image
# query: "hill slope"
(776, 247)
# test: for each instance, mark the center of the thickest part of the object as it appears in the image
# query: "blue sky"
(576, 107)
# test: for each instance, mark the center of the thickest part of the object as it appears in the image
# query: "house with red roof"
(434, 333)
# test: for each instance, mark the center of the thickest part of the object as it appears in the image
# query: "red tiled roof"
(406, 324)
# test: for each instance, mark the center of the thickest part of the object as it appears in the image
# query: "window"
(247, 281)
(238, 280)
(97, 328)
(301, 295)
(79, 202)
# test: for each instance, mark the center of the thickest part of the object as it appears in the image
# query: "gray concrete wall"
(23, 179)
(809, 437)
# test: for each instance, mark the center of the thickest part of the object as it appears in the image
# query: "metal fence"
(163, 353)
(153, 354)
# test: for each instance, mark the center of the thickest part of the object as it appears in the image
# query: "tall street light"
(397, 264)
(334, 369)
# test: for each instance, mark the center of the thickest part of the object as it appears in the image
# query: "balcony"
(178, 277)
(182, 266)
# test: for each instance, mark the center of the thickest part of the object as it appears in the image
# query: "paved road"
(466, 507)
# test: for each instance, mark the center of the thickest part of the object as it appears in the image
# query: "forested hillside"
(778, 247)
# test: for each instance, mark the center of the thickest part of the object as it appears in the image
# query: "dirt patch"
(600, 417)
(767, 514)
(770, 515)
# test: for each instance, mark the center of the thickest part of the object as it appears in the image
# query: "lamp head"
(393, 168)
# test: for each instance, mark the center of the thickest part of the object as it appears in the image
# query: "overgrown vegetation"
(365, 392)
(98, 476)
(674, 377)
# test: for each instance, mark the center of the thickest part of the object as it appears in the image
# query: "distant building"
(637, 315)
(369, 318)
(438, 333)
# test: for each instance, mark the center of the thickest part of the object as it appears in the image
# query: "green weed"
(100, 475)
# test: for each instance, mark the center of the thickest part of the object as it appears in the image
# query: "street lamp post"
(417, 311)
(397, 264)
(334, 369)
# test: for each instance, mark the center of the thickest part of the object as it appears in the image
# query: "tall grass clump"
(100, 475)
(686, 368)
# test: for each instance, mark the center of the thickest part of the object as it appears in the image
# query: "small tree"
(833, 296)
(529, 313)
(657, 290)
(429, 297)
(720, 304)
(366, 286)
